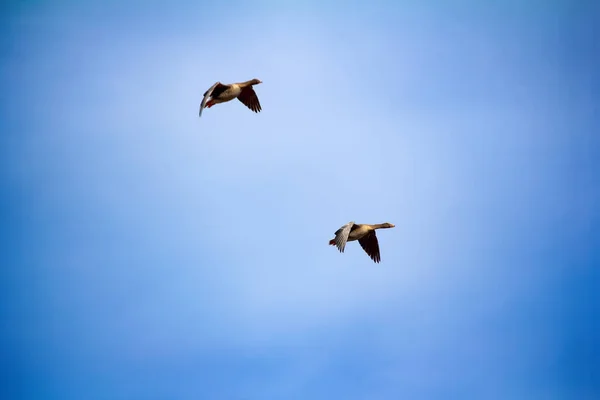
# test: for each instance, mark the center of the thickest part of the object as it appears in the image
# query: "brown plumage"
(364, 233)
(221, 93)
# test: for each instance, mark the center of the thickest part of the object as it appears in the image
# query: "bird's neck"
(379, 226)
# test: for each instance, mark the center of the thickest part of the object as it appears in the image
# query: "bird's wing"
(215, 89)
(370, 245)
(341, 236)
(249, 99)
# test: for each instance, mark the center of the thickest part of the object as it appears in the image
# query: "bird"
(364, 233)
(222, 92)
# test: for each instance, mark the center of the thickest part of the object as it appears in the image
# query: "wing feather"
(370, 245)
(341, 236)
(215, 89)
(249, 98)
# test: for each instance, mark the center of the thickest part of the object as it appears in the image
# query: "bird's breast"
(358, 233)
(231, 93)
(234, 91)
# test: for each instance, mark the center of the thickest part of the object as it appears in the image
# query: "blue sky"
(150, 254)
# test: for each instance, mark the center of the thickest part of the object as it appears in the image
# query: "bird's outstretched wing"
(370, 245)
(341, 236)
(215, 89)
(249, 98)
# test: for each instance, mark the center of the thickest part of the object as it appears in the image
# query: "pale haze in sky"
(152, 254)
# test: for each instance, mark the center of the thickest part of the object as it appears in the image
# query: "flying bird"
(221, 93)
(364, 233)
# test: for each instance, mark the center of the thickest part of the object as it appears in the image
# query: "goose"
(364, 233)
(222, 92)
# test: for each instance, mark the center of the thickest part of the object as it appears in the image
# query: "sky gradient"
(151, 254)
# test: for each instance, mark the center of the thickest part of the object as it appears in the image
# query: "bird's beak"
(392, 225)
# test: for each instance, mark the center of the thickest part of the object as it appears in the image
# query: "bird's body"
(358, 231)
(222, 93)
(364, 233)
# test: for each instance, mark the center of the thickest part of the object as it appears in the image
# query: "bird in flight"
(221, 93)
(364, 233)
